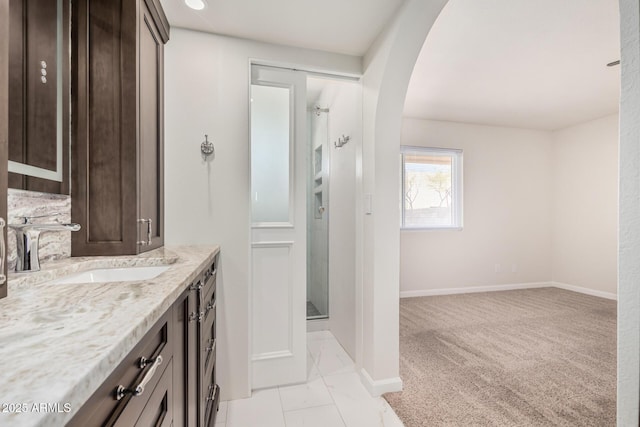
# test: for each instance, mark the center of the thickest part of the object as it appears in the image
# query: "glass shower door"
(317, 216)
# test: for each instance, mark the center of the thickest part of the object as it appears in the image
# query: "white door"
(278, 231)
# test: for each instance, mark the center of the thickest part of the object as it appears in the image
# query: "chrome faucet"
(28, 240)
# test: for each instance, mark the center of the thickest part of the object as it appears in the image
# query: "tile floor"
(332, 397)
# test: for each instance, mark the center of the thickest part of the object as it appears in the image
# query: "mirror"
(38, 95)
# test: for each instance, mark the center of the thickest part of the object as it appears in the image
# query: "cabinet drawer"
(212, 270)
(208, 370)
(209, 281)
(105, 406)
(208, 338)
(209, 303)
(157, 410)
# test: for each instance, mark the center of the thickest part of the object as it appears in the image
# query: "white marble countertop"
(58, 343)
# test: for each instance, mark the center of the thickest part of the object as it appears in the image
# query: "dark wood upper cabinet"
(39, 95)
(151, 147)
(118, 129)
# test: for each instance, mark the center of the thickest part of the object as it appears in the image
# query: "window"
(431, 188)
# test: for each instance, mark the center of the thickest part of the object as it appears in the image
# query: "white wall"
(345, 118)
(507, 213)
(544, 202)
(388, 65)
(585, 205)
(207, 92)
(629, 225)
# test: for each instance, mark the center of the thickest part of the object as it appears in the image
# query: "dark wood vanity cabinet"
(118, 130)
(209, 393)
(118, 402)
(196, 347)
(185, 376)
(181, 391)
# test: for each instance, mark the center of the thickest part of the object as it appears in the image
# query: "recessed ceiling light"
(195, 4)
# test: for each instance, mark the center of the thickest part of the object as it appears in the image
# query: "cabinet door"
(4, 130)
(185, 380)
(104, 53)
(117, 81)
(151, 138)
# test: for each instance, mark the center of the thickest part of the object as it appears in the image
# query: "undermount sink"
(101, 275)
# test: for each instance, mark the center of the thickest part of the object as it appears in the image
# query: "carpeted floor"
(535, 357)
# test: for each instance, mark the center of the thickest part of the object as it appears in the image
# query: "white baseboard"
(587, 291)
(511, 287)
(317, 325)
(474, 289)
(379, 387)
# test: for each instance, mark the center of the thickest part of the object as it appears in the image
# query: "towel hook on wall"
(206, 148)
(341, 141)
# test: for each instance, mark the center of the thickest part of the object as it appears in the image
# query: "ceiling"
(519, 63)
(340, 26)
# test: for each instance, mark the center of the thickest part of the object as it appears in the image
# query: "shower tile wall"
(53, 244)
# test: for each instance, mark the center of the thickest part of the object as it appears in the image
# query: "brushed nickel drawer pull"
(196, 316)
(200, 303)
(144, 362)
(213, 391)
(121, 391)
(209, 307)
(209, 350)
(148, 242)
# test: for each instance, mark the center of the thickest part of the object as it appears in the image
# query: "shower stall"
(318, 214)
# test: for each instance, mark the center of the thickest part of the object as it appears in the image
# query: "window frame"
(457, 156)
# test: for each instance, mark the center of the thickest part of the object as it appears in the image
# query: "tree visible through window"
(431, 188)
